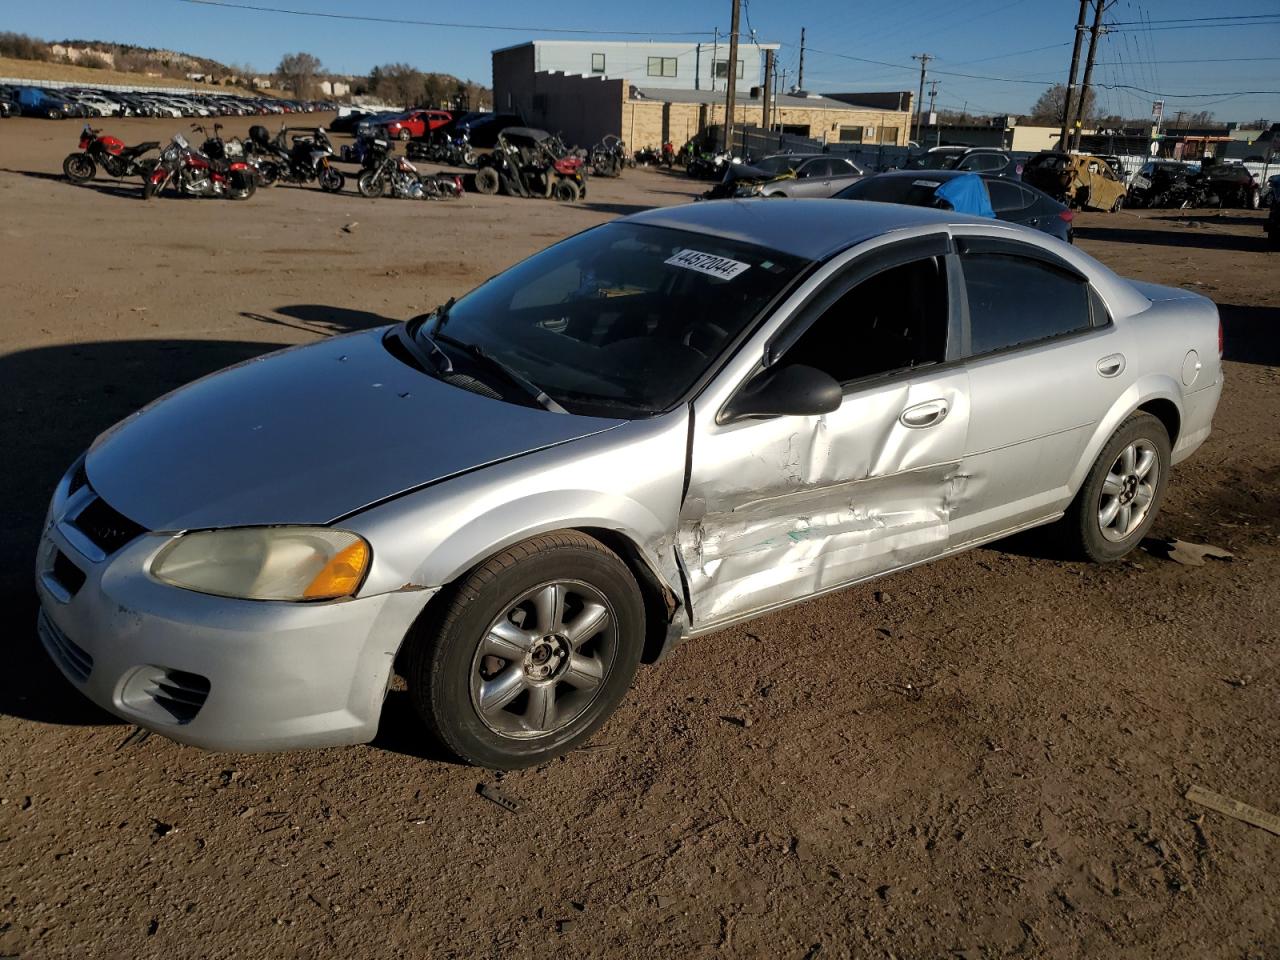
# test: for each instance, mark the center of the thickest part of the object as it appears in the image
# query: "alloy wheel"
(543, 661)
(1128, 490)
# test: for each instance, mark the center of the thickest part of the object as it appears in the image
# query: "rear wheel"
(79, 168)
(268, 173)
(531, 653)
(241, 185)
(1117, 504)
(331, 180)
(1118, 205)
(487, 181)
(566, 191)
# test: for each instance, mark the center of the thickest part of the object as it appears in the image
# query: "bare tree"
(297, 73)
(1048, 109)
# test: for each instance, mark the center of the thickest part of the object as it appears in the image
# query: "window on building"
(888, 134)
(1013, 301)
(720, 69)
(851, 134)
(662, 66)
(597, 63)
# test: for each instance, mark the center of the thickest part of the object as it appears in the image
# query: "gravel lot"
(985, 757)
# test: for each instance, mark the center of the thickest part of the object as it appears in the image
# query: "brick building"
(635, 95)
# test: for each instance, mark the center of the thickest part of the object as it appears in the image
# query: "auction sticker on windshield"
(708, 263)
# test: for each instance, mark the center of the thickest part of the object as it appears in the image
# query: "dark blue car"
(1012, 201)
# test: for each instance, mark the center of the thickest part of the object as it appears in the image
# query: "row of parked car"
(481, 129)
(55, 103)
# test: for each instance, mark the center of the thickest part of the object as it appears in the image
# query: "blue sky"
(1025, 43)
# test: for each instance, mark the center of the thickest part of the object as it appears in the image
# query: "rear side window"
(983, 162)
(1007, 196)
(1015, 301)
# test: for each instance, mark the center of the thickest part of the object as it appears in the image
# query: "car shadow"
(110, 188)
(1233, 220)
(321, 319)
(1203, 239)
(1251, 334)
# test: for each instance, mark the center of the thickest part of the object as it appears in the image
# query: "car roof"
(811, 229)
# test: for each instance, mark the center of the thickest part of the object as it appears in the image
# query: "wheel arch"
(1157, 395)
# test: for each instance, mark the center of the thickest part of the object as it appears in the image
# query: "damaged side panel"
(780, 509)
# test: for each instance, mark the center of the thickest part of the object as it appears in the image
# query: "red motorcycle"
(192, 173)
(110, 154)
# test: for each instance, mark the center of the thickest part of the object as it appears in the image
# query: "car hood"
(308, 435)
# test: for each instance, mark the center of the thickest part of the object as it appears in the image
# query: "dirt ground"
(985, 757)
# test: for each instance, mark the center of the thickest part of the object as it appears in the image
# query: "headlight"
(266, 563)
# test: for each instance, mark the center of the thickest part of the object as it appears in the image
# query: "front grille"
(70, 577)
(63, 649)
(106, 527)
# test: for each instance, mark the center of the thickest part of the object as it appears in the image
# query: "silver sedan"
(654, 429)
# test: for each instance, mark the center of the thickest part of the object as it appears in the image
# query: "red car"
(417, 123)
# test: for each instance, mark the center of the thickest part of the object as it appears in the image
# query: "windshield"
(779, 164)
(620, 320)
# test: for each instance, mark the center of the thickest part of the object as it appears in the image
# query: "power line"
(1142, 22)
(446, 25)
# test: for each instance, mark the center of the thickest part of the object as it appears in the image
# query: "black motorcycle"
(608, 157)
(305, 158)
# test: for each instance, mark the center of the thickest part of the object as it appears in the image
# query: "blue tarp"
(966, 194)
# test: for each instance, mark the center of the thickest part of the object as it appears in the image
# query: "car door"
(1011, 202)
(812, 179)
(843, 173)
(782, 508)
(1045, 364)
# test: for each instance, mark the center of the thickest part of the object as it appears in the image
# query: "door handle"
(1112, 365)
(925, 414)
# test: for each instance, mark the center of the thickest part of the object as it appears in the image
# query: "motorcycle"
(192, 173)
(110, 154)
(608, 157)
(383, 169)
(307, 158)
(648, 157)
(709, 166)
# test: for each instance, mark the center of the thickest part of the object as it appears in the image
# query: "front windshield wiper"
(412, 339)
(477, 352)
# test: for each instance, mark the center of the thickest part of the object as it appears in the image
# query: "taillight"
(1222, 340)
(1066, 214)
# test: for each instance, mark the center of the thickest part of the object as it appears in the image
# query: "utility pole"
(1071, 77)
(933, 99)
(768, 81)
(715, 53)
(732, 74)
(1094, 32)
(800, 80)
(924, 59)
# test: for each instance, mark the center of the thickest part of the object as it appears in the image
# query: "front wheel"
(268, 173)
(1117, 504)
(370, 184)
(331, 180)
(531, 652)
(1118, 205)
(79, 168)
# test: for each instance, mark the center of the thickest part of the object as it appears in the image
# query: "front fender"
(1152, 386)
(627, 480)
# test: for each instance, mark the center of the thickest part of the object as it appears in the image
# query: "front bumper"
(217, 673)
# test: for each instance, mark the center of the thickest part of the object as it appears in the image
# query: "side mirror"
(794, 390)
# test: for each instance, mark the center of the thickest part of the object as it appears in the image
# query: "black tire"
(55, 114)
(79, 167)
(1082, 525)
(1118, 205)
(1253, 200)
(331, 180)
(268, 174)
(370, 184)
(565, 191)
(487, 181)
(241, 185)
(445, 650)
(151, 189)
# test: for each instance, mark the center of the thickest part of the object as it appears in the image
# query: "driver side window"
(895, 320)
